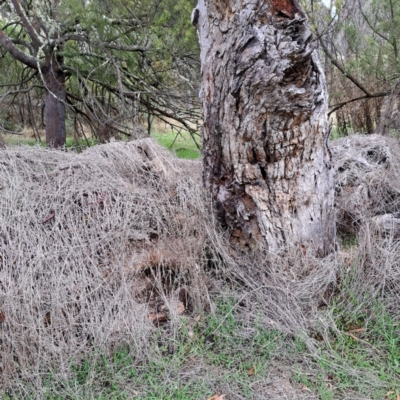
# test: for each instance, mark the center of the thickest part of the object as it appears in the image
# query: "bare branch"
(341, 69)
(16, 52)
(79, 37)
(28, 26)
(25, 44)
(366, 97)
(26, 90)
(121, 47)
(26, 80)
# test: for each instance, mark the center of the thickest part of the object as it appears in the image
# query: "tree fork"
(265, 133)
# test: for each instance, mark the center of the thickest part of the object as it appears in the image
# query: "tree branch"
(84, 38)
(16, 52)
(120, 47)
(28, 26)
(366, 97)
(341, 69)
(77, 37)
(25, 44)
(18, 91)
(29, 78)
(371, 27)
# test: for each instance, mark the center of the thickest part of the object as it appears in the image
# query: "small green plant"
(182, 144)
(79, 145)
(70, 143)
(217, 351)
(363, 354)
(347, 240)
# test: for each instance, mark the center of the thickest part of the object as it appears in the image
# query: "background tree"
(265, 131)
(360, 43)
(104, 63)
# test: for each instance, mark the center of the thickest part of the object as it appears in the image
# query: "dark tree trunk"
(265, 134)
(369, 125)
(54, 78)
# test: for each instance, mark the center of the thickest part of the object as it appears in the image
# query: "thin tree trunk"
(54, 78)
(265, 133)
(390, 112)
(369, 125)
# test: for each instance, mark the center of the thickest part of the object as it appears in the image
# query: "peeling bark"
(266, 158)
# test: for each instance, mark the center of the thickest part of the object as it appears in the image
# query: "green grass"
(15, 140)
(120, 377)
(223, 350)
(364, 363)
(178, 367)
(359, 359)
(79, 145)
(182, 144)
(362, 356)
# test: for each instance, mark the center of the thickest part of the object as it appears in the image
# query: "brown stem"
(28, 26)
(344, 103)
(16, 52)
(342, 70)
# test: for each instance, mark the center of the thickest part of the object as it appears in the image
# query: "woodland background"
(116, 282)
(129, 62)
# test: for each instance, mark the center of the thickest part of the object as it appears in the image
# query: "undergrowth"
(182, 144)
(115, 283)
(219, 353)
(70, 142)
(360, 356)
(202, 357)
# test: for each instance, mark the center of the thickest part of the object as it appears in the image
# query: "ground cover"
(182, 144)
(26, 138)
(219, 354)
(116, 283)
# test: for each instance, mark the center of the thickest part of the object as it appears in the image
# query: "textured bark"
(54, 78)
(390, 112)
(265, 132)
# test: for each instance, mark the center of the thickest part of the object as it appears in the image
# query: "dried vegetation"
(367, 182)
(98, 249)
(90, 246)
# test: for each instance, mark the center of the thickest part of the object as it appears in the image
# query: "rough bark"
(266, 159)
(54, 78)
(390, 112)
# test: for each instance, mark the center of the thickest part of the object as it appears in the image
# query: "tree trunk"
(54, 78)
(265, 133)
(390, 112)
